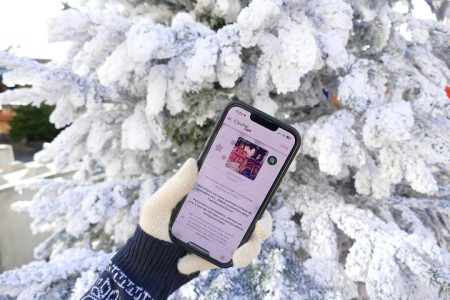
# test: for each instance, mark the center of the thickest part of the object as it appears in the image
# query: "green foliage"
(31, 124)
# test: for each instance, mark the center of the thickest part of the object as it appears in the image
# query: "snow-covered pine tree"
(364, 213)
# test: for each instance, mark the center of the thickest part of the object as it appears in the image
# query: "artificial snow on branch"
(364, 211)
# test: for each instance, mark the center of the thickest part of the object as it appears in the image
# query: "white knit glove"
(157, 210)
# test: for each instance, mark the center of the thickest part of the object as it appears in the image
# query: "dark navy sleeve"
(144, 268)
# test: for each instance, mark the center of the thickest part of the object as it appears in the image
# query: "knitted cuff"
(152, 264)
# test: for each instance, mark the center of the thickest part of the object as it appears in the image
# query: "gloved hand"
(157, 210)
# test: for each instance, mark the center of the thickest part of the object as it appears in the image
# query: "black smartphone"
(240, 169)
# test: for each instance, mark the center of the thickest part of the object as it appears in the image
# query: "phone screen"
(238, 172)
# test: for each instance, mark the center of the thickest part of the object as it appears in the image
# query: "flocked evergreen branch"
(364, 211)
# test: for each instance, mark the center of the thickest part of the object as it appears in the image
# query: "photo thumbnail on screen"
(246, 158)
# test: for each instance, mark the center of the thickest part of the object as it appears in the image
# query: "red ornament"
(447, 90)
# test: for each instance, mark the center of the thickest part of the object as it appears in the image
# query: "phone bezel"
(273, 188)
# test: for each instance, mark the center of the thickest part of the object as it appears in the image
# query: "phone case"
(276, 183)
